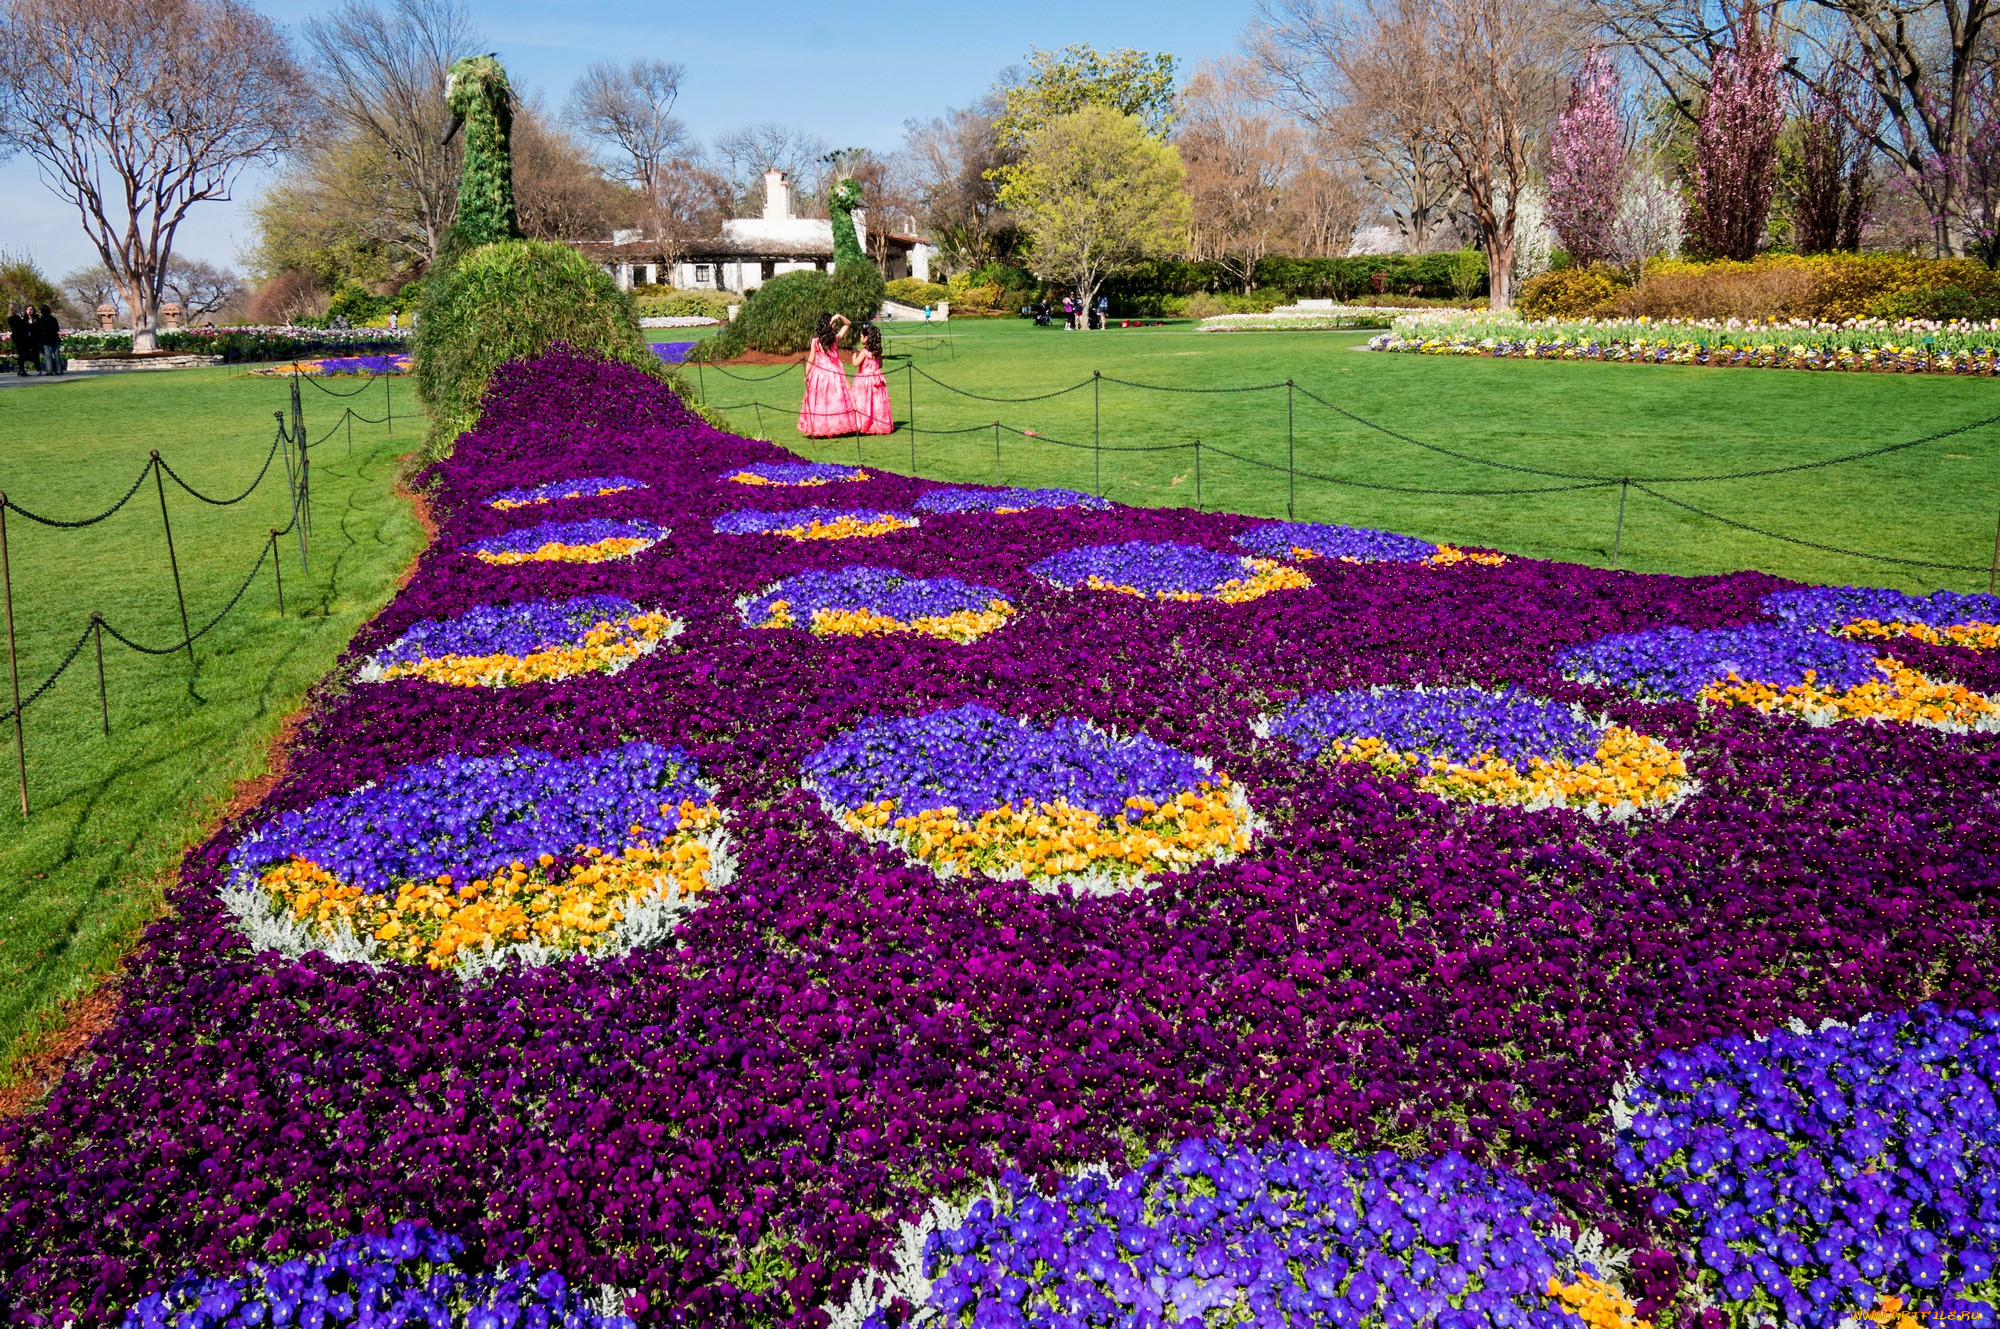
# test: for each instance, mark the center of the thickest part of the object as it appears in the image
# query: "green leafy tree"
(1060, 83)
(1097, 195)
(21, 282)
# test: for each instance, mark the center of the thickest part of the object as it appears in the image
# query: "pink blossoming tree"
(1736, 142)
(1587, 164)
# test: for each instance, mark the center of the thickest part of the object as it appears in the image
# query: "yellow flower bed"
(1598, 1304)
(1904, 695)
(963, 627)
(1046, 842)
(1268, 575)
(1449, 555)
(1630, 772)
(1976, 636)
(845, 528)
(603, 551)
(435, 922)
(608, 646)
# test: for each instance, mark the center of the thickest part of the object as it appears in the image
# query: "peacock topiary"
(779, 317)
(495, 296)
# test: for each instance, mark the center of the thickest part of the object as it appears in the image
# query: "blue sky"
(852, 74)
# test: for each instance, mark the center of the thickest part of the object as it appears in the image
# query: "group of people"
(36, 339)
(833, 406)
(1074, 312)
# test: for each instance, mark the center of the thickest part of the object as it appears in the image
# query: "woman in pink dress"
(826, 412)
(869, 393)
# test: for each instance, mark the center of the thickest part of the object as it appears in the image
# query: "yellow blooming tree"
(1096, 195)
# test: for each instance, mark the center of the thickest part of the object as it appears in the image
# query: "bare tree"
(745, 154)
(381, 74)
(558, 193)
(201, 288)
(1237, 157)
(951, 167)
(1504, 66)
(84, 289)
(630, 109)
(137, 110)
(1323, 203)
(1365, 78)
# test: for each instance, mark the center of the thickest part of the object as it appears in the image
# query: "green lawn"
(1937, 503)
(112, 815)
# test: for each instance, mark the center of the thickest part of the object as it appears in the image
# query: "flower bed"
(467, 862)
(1490, 747)
(533, 642)
(814, 523)
(1943, 618)
(731, 1122)
(796, 474)
(1169, 571)
(963, 501)
(1782, 670)
(341, 366)
(1916, 347)
(594, 541)
(868, 602)
(1305, 540)
(589, 486)
(970, 790)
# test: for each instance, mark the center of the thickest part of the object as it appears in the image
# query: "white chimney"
(777, 195)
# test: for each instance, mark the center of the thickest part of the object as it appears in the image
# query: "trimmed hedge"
(1827, 288)
(513, 300)
(916, 291)
(779, 317)
(668, 302)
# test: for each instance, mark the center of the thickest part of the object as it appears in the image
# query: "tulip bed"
(1195, 1012)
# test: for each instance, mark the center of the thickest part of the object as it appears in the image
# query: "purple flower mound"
(1680, 662)
(882, 590)
(1282, 539)
(975, 759)
(469, 815)
(575, 534)
(587, 486)
(1458, 724)
(1819, 1169)
(517, 629)
(1302, 1237)
(749, 521)
(1168, 568)
(798, 472)
(1831, 608)
(959, 501)
(410, 1277)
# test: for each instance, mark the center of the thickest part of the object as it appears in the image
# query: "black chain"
(1809, 544)
(50, 681)
(372, 378)
(269, 457)
(752, 378)
(1413, 489)
(1161, 387)
(144, 471)
(976, 396)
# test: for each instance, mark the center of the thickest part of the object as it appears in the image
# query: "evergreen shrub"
(667, 302)
(916, 291)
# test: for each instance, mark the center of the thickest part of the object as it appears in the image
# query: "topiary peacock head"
(479, 97)
(841, 201)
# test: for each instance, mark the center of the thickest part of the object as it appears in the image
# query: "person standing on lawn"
(20, 339)
(869, 392)
(826, 411)
(48, 335)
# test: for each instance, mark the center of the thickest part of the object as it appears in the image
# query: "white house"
(752, 250)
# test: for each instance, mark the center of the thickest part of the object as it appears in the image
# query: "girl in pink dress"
(869, 393)
(826, 412)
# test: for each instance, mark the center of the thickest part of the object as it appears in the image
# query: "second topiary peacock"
(779, 317)
(495, 296)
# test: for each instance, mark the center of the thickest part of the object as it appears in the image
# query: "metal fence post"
(174, 562)
(1197, 475)
(13, 660)
(348, 416)
(1097, 426)
(700, 383)
(1618, 537)
(910, 390)
(103, 697)
(1291, 458)
(996, 453)
(389, 391)
(278, 570)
